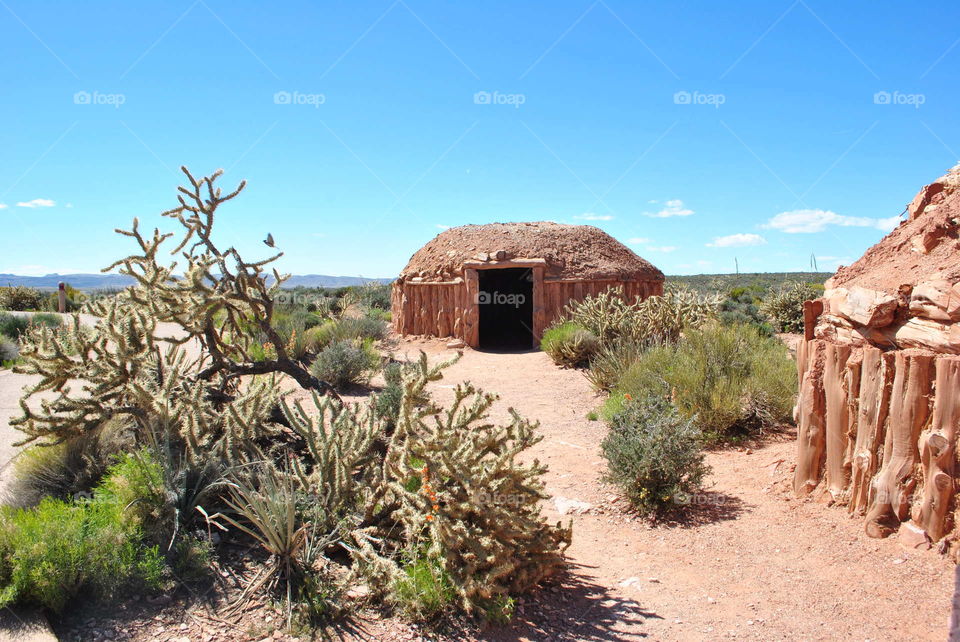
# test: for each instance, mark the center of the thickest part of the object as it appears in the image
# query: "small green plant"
(593, 415)
(423, 589)
(20, 298)
(53, 552)
(346, 362)
(569, 344)
(654, 455)
(784, 305)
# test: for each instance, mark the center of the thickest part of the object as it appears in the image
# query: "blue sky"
(696, 132)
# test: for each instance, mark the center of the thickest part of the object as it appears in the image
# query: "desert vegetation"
(151, 449)
(680, 372)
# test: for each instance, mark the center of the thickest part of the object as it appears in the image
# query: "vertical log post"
(909, 409)
(937, 452)
(62, 297)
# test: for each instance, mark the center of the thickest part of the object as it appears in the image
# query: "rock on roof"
(925, 247)
(570, 252)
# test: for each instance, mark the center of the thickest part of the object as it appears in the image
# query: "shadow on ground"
(706, 508)
(574, 608)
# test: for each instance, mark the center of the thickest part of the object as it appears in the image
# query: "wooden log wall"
(448, 309)
(877, 432)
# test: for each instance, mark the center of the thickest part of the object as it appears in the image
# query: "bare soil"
(747, 560)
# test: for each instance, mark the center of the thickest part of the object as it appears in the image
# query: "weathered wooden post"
(62, 297)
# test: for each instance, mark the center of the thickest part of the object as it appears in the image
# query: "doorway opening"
(505, 302)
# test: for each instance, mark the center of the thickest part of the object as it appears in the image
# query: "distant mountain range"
(105, 281)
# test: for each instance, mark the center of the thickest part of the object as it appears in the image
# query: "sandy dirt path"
(750, 562)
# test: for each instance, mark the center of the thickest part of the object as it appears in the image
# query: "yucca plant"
(266, 505)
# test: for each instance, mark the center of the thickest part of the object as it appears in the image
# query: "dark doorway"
(505, 301)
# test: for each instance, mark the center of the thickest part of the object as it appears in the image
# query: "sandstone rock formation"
(879, 406)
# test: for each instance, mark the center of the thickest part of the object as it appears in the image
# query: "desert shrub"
(741, 306)
(380, 314)
(569, 344)
(784, 305)
(346, 362)
(729, 379)
(9, 350)
(13, 325)
(67, 469)
(60, 549)
(611, 361)
(346, 329)
(654, 455)
(374, 295)
(20, 298)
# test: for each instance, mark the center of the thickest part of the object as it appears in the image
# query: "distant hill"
(708, 283)
(108, 281)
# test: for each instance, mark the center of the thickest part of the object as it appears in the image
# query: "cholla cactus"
(656, 319)
(449, 485)
(190, 383)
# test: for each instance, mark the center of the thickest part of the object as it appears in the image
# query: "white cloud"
(671, 208)
(590, 216)
(704, 263)
(639, 240)
(661, 248)
(440, 226)
(3, 206)
(37, 202)
(812, 221)
(738, 240)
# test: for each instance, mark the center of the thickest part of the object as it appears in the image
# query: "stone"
(863, 306)
(456, 344)
(499, 255)
(910, 536)
(922, 199)
(937, 299)
(567, 506)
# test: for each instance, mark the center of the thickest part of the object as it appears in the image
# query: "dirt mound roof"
(570, 251)
(922, 248)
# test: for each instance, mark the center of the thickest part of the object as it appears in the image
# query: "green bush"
(67, 469)
(741, 307)
(611, 361)
(60, 549)
(729, 379)
(569, 344)
(15, 326)
(8, 350)
(20, 298)
(346, 362)
(346, 329)
(784, 305)
(654, 455)
(423, 590)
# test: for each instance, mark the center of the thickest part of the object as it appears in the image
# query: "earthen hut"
(502, 284)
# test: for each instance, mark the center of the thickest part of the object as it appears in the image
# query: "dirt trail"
(751, 562)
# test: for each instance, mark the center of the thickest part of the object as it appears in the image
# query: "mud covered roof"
(575, 252)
